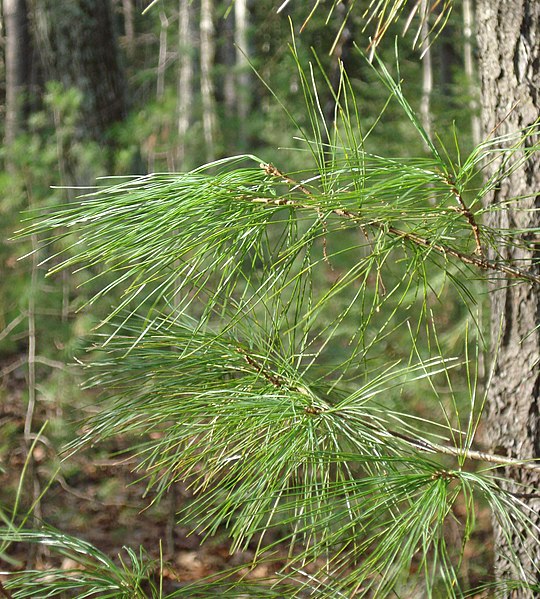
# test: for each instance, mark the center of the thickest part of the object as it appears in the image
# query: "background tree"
(17, 55)
(77, 45)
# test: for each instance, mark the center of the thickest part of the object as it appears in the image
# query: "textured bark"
(509, 53)
(16, 63)
(78, 46)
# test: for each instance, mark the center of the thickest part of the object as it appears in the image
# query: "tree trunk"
(207, 84)
(162, 55)
(468, 65)
(227, 59)
(185, 77)
(16, 64)
(242, 67)
(78, 47)
(129, 26)
(509, 52)
(427, 69)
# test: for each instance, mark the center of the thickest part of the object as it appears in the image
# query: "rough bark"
(16, 64)
(509, 53)
(78, 46)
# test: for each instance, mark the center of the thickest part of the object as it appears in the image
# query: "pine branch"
(479, 261)
(469, 454)
(275, 379)
(427, 446)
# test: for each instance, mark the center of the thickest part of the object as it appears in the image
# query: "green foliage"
(381, 15)
(253, 370)
(275, 333)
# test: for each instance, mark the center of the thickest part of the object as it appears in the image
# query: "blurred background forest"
(93, 88)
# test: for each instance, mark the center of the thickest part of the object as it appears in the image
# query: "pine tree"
(270, 326)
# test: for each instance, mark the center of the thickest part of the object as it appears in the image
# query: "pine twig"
(275, 379)
(469, 454)
(270, 169)
(465, 210)
(427, 446)
(479, 261)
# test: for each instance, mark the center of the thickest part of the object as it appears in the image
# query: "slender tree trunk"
(162, 55)
(242, 66)
(185, 79)
(427, 70)
(207, 85)
(227, 59)
(509, 52)
(16, 64)
(468, 65)
(129, 26)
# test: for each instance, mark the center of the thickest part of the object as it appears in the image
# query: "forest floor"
(97, 496)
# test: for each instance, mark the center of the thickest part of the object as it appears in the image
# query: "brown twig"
(479, 261)
(464, 209)
(270, 169)
(275, 379)
(469, 454)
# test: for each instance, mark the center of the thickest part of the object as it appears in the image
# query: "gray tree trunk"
(162, 55)
(129, 26)
(509, 53)
(242, 67)
(16, 64)
(427, 69)
(185, 78)
(227, 58)
(468, 65)
(207, 47)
